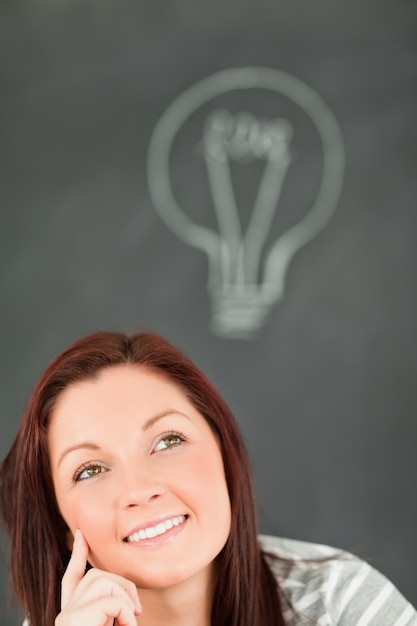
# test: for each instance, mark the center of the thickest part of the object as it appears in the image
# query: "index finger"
(76, 567)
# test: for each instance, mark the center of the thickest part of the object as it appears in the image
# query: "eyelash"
(103, 469)
(173, 434)
(90, 465)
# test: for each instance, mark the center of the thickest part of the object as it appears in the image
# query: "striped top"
(325, 586)
(328, 587)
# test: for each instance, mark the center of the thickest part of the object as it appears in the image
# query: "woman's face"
(138, 470)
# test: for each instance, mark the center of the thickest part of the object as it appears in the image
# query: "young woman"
(127, 496)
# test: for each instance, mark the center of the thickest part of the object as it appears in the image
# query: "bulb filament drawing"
(244, 279)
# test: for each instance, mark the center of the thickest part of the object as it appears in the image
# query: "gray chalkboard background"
(326, 392)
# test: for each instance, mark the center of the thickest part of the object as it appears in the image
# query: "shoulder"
(298, 550)
(332, 586)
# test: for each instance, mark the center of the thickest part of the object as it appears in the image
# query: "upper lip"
(154, 522)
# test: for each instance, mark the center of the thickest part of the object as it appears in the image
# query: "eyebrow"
(152, 420)
(89, 445)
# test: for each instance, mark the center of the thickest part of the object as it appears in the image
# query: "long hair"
(246, 592)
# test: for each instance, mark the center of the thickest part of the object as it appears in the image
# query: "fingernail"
(77, 535)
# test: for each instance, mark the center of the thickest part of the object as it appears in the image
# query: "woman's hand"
(96, 598)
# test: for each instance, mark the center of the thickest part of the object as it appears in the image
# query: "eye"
(169, 440)
(89, 470)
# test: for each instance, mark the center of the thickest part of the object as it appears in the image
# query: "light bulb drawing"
(244, 279)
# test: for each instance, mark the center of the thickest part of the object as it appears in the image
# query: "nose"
(138, 486)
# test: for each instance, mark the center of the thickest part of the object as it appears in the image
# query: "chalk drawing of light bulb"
(245, 280)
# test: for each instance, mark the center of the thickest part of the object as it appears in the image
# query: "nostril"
(139, 489)
(136, 500)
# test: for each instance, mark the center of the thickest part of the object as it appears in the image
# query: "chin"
(162, 578)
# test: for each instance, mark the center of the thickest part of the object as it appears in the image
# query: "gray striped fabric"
(325, 586)
(329, 587)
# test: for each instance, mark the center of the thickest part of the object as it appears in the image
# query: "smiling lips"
(154, 531)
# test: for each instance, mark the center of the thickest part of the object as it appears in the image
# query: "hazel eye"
(89, 471)
(169, 440)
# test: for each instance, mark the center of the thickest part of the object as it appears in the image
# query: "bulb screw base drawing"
(239, 312)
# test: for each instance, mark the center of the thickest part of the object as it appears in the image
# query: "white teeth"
(159, 529)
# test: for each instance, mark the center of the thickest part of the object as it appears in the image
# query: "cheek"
(210, 476)
(208, 486)
(95, 525)
(86, 513)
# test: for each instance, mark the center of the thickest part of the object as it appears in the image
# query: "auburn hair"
(246, 592)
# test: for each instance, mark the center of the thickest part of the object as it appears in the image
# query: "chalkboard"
(136, 138)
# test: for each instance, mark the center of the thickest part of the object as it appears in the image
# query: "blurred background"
(262, 219)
